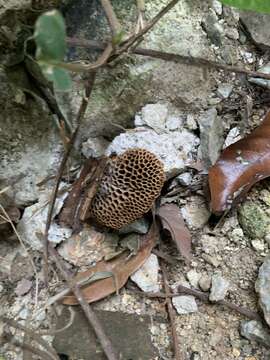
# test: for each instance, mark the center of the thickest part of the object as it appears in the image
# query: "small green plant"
(255, 5)
(50, 37)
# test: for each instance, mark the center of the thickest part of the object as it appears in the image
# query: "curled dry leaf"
(77, 204)
(239, 167)
(120, 268)
(173, 221)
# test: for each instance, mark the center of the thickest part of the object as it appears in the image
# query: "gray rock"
(236, 235)
(32, 225)
(212, 260)
(23, 287)
(191, 123)
(224, 90)
(174, 149)
(94, 147)
(24, 314)
(174, 122)
(193, 277)
(205, 282)
(211, 130)
(258, 245)
(232, 33)
(217, 6)
(184, 179)
(29, 143)
(195, 212)
(219, 288)
(140, 226)
(213, 28)
(262, 82)
(128, 332)
(184, 304)
(147, 276)
(257, 24)
(253, 330)
(155, 116)
(229, 54)
(262, 287)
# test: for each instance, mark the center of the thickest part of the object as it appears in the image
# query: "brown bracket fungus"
(130, 184)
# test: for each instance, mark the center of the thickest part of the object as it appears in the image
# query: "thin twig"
(252, 315)
(176, 346)
(181, 59)
(205, 298)
(194, 61)
(32, 335)
(135, 38)
(111, 54)
(111, 17)
(65, 327)
(79, 119)
(140, 19)
(90, 315)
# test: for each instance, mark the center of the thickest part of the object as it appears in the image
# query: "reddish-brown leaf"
(121, 267)
(77, 204)
(239, 167)
(173, 221)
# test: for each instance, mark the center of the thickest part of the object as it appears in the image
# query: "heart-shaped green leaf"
(50, 36)
(60, 77)
(255, 5)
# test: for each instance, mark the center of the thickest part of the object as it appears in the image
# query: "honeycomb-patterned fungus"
(130, 184)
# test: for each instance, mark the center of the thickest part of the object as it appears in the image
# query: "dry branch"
(176, 346)
(111, 17)
(176, 58)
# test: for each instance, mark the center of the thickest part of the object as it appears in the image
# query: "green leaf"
(50, 36)
(255, 5)
(60, 77)
(118, 38)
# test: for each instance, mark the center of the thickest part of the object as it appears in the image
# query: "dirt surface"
(233, 248)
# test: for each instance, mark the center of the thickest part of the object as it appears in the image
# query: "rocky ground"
(185, 115)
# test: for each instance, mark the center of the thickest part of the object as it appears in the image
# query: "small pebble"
(147, 276)
(205, 282)
(258, 245)
(217, 6)
(232, 33)
(184, 179)
(224, 90)
(184, 304)
(191, 123)
(219, 288)
(193, 278)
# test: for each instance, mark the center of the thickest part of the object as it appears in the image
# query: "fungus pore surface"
(130, 184)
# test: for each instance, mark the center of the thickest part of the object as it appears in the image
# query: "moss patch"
(253, 220)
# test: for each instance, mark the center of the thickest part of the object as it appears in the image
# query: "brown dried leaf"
(77, 204)
(121, 267)
(239, 167)
(173, 221)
